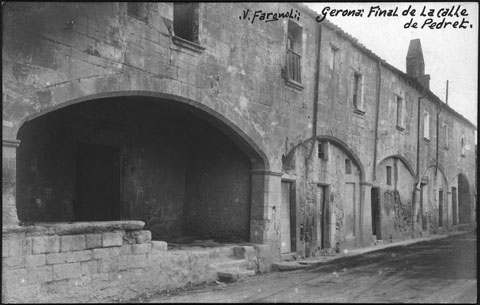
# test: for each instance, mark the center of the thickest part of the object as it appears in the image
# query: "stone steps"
(232, 270)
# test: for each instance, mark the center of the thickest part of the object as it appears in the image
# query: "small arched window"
(462, 146)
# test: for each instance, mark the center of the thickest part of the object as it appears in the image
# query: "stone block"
(66, 271)
(11, 247)
(40, 274)
(126, 249)
(143, 236)
(72, 243)
(14, 277)
(112, 239)
(14, 262)
(89, 267)
(79, 256)
(106, 265)
(93, 240)
(141, 248)
(35, 260)
(159, 245)
(56, 258)
(45, 244)
(106, 252)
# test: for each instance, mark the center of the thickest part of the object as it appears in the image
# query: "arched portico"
(211, 126)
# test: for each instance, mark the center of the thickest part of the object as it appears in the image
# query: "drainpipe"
(315, 92)
(438, 124)
(377, 115)
(418, 137)
(417, 184)
(314, 127)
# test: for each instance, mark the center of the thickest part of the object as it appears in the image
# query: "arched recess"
(464, 200)
(349, 151)
(404, 161)
(180, 166)
(391, 200)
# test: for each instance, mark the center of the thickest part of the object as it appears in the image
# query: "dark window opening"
(399, 112)
(294, 51)
(323, 150)
(357, 93)
(185, 20)
(440, 208)
(348, 166)
(389, 175)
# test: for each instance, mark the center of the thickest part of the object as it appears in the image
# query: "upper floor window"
(357, 96)
(426, 126)
(400, 113)
(333, 63)
(463, 146)
(185, 21)
(294, 51)
(138, 10)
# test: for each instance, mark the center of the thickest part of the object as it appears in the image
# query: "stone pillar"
(365, 220)
(265, 210)
(9, 160)
(449, 221)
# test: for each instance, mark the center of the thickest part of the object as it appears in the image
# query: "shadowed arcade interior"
(159, 161)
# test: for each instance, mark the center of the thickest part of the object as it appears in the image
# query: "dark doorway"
(454, 205)
(424, 216)
(97, 188)
(375, 198)
(440, 208)
(323, 233)
(286, 218)
(464, 209)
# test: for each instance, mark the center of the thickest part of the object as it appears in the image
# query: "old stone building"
(289, 138)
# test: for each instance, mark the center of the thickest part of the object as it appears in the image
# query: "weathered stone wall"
(105, 262)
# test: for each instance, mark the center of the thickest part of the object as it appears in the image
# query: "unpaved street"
(438, 271)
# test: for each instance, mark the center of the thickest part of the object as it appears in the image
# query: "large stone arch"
(258, 159)
(238, 134)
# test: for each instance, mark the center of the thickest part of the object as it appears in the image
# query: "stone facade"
(206, 128)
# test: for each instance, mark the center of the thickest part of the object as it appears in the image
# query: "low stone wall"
(95, 262)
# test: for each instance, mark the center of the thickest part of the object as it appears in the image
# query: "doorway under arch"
(464, 201)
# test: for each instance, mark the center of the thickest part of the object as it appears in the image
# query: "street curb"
(311, 263)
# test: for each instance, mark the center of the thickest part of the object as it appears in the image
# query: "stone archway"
(207, 155)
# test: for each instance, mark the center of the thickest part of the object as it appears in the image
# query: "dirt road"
(438, 271)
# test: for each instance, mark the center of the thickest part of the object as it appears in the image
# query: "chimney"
(415, 63)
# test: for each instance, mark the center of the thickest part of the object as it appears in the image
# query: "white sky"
(448, 53)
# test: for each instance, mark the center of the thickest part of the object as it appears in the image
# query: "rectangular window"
(294, 51)
(400, 115)
(138, 10)
(185, 20)
(348, 166)
(357, 97)
(426, 126)
(333, 58)
(323, 150)
(389, 175)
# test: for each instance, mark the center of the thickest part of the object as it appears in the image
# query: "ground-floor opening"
(170, 165)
